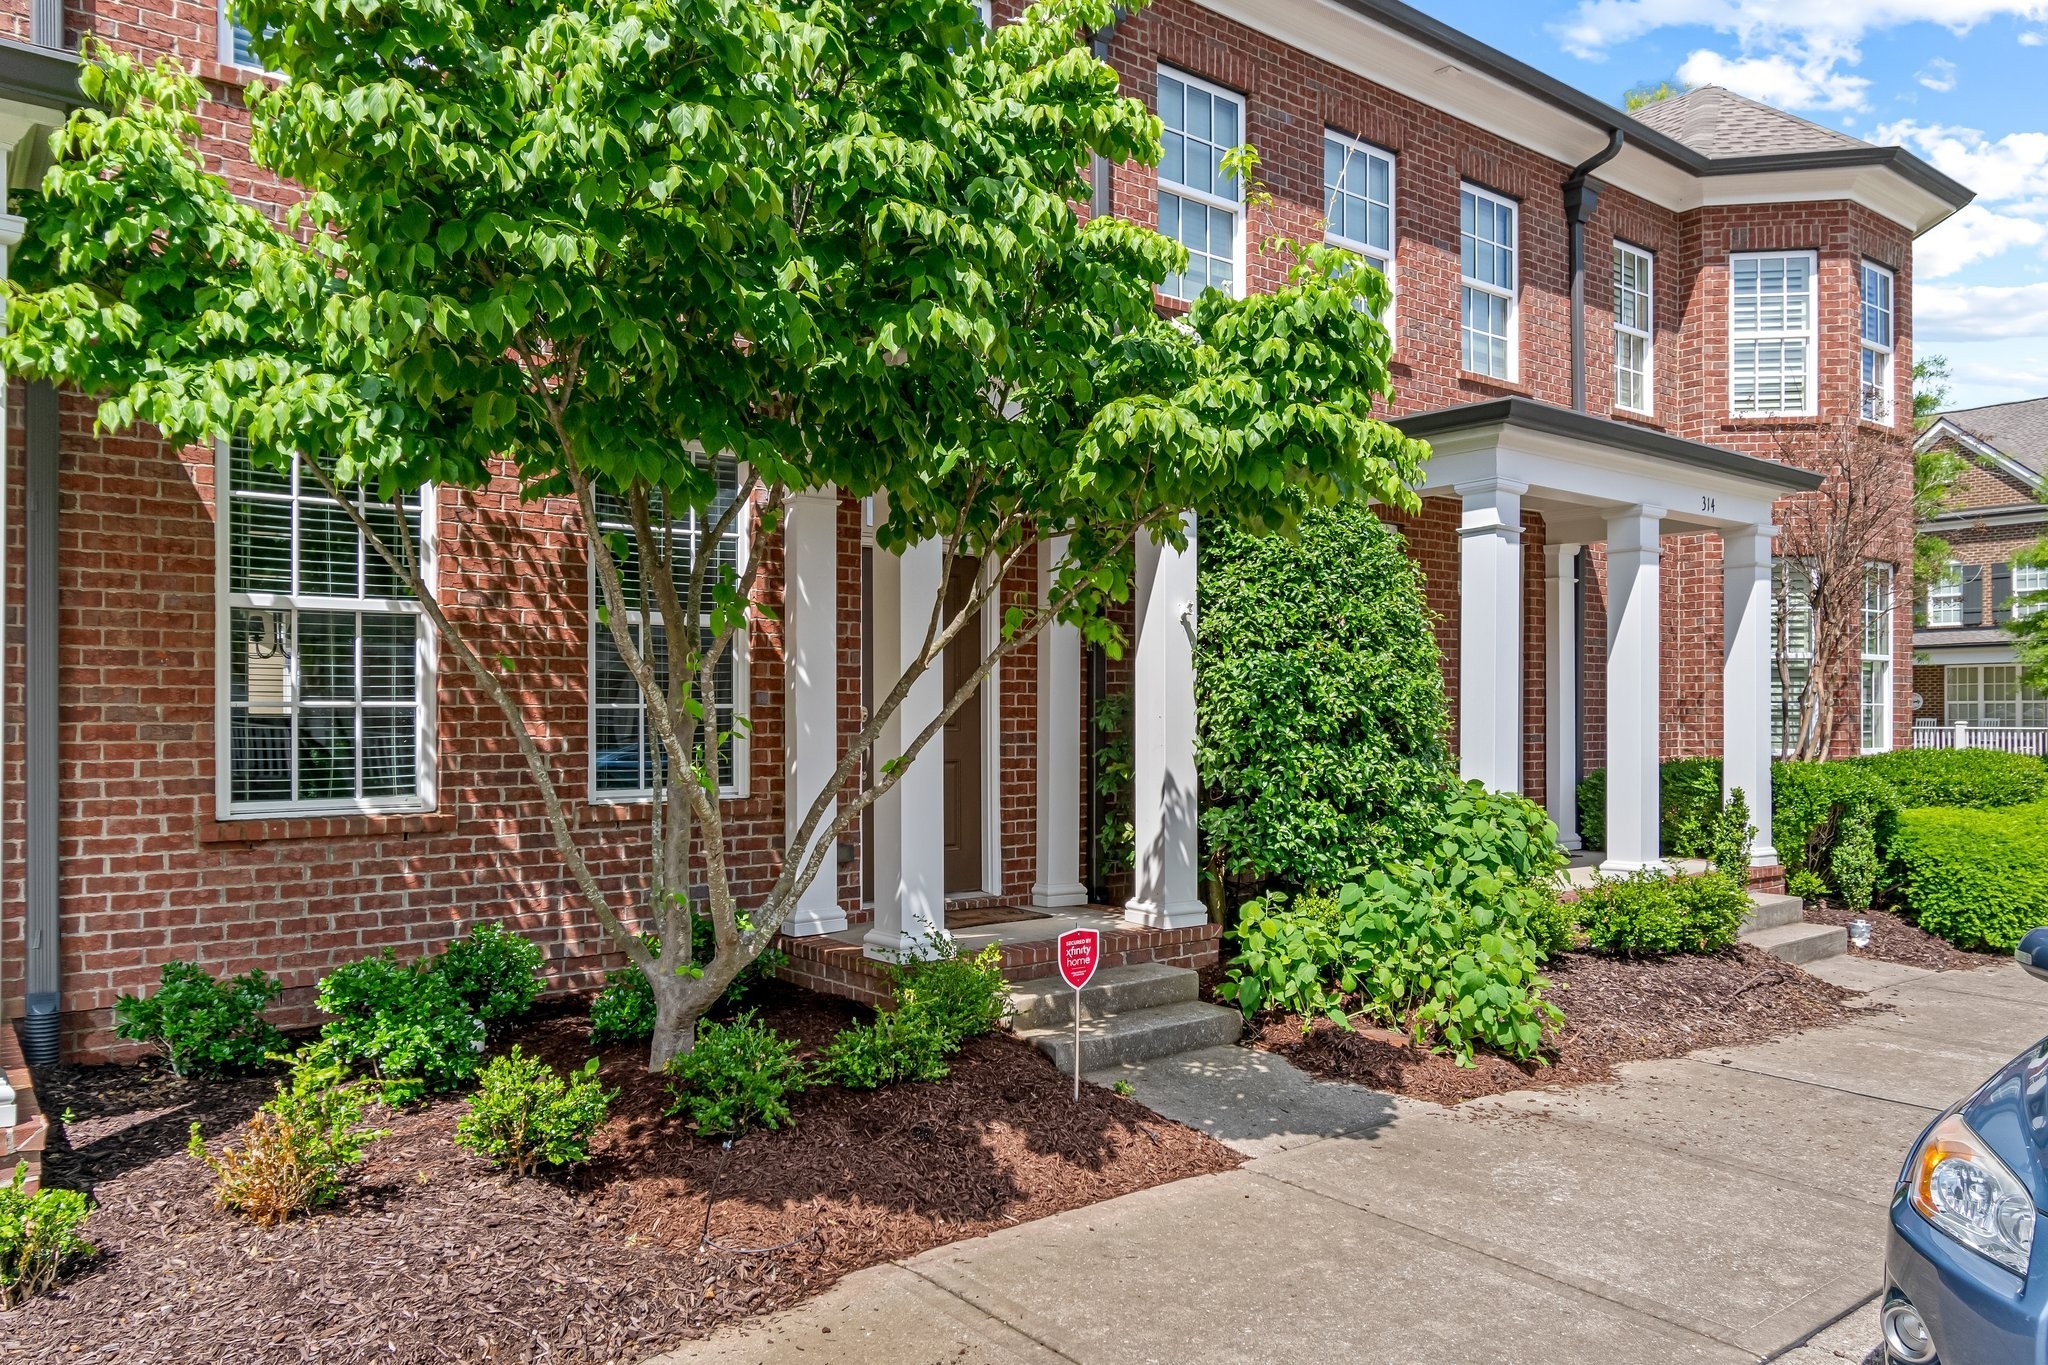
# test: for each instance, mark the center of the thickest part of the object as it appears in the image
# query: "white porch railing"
(2010, 739)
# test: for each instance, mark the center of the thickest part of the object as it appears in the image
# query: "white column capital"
(1637, 530)
(1748, 547)
(1561, 561)
(1491, 507)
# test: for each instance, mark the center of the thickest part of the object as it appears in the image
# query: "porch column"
(1561, 704)
(1746, 678)
(810, 630)
(1168, 895)
(910, 821)
(1634, 739)
(1058, 882)
(1490, 634)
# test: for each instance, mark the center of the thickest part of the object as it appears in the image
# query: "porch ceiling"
(1577, 469)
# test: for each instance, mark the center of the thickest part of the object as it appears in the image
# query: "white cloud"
(1975, 234)
(1979, 312)
(1939, 75)
(1998, 169)
(1778, 79)
(1600, 24)
(2032, 39)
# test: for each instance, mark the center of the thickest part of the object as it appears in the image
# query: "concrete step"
(1769, 910)
(1798, 943)
(1049, 1002)
(1139, 1036)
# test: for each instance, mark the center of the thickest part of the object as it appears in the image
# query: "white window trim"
(1647, 333)
(225, 27)
(1888, 377)
(742, 658)
(426, 738)
(1512, 295)
(1888, 657)
(1235, 207)
(2023, 697)
(1948, 591)
(1382, 261)
(2037, 583)
(1811, 336)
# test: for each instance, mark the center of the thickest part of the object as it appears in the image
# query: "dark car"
(1965, 1282)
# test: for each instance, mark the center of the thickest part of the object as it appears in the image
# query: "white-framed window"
(1993, 695)
(1634, 328)
(1198, 203)
(1945, 597)
(1358, 200)
(1877, 342)
(2029, 590)
(1877, 658)
(625, 754)
(234, 41)
(1771, 325)
(1791, 651)
(1489, 250)
(325, 666)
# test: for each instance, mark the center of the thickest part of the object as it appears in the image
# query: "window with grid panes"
(626, 754)
(1876, 325)
(1771, 333)
(1488, 248)
(1877, 658)
(1992, 695)
(1358, 200)
(1198, 202)
(1945, 597)
(327, 663)
(1633, 322)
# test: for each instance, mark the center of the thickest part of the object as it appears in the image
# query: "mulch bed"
(1615, 1012)
(434, 1256)
(1893, 939)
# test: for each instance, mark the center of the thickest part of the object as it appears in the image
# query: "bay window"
(1198, 200)
(1772, 318)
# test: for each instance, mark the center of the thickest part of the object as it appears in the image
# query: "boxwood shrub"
(1812, 803)
(1689, 795)
(1978, 878)
(1983, 778)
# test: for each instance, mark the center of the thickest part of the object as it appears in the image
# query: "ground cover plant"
(637, 1251)
(200, 1025)
(39, 1233)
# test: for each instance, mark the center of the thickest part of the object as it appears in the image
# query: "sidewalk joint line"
(954, 1295)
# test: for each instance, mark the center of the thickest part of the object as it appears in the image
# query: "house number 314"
(1706, 502)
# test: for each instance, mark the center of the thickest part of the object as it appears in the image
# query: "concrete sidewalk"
(1724, 1207)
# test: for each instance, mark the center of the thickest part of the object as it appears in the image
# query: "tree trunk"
(675, 1025)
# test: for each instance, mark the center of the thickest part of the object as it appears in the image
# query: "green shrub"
(1806, 884)
(736, 1076)
(1650, 914)
(492, 972)
(1730, 837)
(1982, 778)
(1553, 925)
(200, 1025)
(940, 1002)
(524, 1112)
(623, 1012)
(405, 1022)
(897, 1045)
(1320, 707)
(297, 1148)
(1688, 795)
(38, 1234)
(1853, 864)
(1812, 802)
(1496, 834)
(1978, 878)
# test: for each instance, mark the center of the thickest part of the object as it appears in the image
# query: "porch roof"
(1526, 414)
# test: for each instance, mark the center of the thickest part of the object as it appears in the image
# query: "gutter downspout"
(1581, 201)
(39, 724)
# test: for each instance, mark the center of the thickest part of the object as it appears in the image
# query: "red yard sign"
(1080, 951)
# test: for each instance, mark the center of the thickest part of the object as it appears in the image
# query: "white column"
(910, 823)
(1490, 634)
(1634, 739)
(1168, 892)
(1746, 678)
(1561, 702)
(1058, 883)
(810, 632)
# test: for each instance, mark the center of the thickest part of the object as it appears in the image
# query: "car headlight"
(1958, 1185)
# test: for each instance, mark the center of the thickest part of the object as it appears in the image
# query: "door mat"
(982, 916)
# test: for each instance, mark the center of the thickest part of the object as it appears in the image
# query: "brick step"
(1139, 1036)
(1800, 943)
(1047, 1004)
(1768, 910)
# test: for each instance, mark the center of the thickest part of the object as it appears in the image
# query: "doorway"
(965, 741)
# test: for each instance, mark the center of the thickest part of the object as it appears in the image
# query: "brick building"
(1964, 671)
(1612, 329)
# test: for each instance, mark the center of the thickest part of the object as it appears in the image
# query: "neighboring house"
(1596, 527)
(1964, 670)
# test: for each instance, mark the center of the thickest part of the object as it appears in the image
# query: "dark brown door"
(963, 741)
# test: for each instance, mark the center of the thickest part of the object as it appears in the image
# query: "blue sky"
(1964, 83)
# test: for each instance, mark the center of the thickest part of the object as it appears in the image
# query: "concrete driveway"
(1725, 1207)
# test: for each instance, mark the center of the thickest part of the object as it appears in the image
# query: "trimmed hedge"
(1811, 802)
(1979, 778)
(1689, 793)
(1978, 878)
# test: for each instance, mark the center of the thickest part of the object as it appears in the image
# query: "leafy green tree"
(1645, 93)
(1930, 389)
(581, 242)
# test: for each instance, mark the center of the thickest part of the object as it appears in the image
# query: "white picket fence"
(2010, 739)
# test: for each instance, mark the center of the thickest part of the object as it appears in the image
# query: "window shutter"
(2001, 593)
(1973, 594)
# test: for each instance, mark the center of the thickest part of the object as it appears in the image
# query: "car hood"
(2010, 1112)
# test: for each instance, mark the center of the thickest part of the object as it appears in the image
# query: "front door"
(963, 741)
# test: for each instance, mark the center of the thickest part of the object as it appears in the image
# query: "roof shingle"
(2018, 431)
(1717, 122)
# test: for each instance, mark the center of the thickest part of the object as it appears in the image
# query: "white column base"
(1059, 897)
(1174, 915)
(1762, 855)
(1570, 843)
(812, 921)
(1628, 867)
(904, 943)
